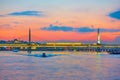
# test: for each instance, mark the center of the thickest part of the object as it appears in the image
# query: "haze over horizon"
(60, 20)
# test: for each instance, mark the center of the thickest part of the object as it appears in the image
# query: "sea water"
(59, 66)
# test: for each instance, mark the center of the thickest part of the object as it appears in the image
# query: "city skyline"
(61, 20)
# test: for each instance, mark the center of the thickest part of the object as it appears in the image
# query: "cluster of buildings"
(15, 41)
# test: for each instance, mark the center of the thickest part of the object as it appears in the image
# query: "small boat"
(44, 55)
(15, 50)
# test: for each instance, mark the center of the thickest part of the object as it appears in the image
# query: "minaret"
(98, 36)
(29, 36)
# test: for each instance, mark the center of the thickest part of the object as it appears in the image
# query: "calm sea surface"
(59, 66)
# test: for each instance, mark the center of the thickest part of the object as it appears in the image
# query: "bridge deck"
(56, 45)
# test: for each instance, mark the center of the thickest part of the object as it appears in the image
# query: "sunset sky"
(60, 20)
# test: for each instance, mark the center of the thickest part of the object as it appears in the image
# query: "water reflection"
(98, 66)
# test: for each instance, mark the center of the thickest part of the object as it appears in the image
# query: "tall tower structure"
(98, 36)
(29, 36)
